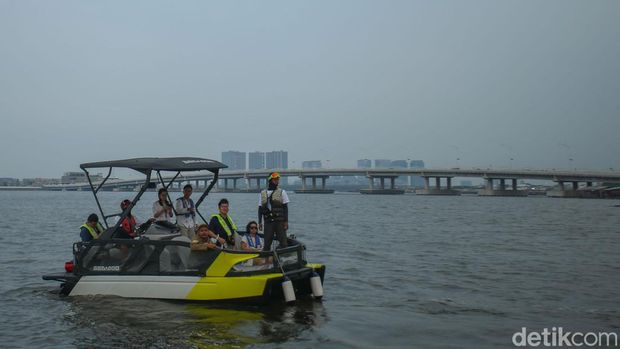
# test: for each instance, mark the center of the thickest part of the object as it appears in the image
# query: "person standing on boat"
(91, 229)
(223, 225)
(273, 207)
(162, 208)
(186, 213)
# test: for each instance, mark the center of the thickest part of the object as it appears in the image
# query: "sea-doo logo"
(106, 268)
(193, 161)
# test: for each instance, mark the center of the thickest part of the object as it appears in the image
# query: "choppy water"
(402, 271)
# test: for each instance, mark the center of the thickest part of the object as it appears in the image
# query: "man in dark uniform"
(273, 207)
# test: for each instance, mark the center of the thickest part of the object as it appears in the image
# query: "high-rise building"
(364, 163)
(416, 164)
(402, 180)
(276, 159)
(9, 182)
(399, 164)
(416, 181)
(383, 163)
(311, 164)
(79, 177)
(235, 160)
(256, 160)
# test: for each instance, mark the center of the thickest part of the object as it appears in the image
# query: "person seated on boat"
(223, 225)
(202, 239)
(128, 224)
(251, 241)
(162, 208)
(186, 213)
(91, 229)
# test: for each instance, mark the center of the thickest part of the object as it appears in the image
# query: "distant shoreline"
(7, 188)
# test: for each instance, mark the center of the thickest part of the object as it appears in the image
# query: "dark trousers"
(277, 229)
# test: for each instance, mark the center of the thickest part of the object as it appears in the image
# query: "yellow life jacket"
(94, 232)
(222, 222)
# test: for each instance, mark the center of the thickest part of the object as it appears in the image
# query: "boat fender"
(315, 284)
(287, 289)
(69, 266)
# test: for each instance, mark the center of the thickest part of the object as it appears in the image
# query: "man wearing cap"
(273, 207)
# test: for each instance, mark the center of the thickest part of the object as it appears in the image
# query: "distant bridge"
(498, 182)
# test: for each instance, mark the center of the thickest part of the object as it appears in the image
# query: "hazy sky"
(482, 81)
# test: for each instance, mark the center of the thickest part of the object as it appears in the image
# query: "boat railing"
(174, 257)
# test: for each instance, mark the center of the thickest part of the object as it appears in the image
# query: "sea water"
(402, 272)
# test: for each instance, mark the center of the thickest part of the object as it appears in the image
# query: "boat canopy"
(145, 165)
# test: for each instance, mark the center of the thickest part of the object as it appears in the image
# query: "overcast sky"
(479, 81)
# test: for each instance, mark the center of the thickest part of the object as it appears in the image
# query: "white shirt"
(164, 216)
(285, 199)
(184, 218)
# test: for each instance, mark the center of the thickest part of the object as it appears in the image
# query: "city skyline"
(459, 84)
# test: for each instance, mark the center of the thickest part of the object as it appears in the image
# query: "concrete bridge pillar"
(437, 190)
(382, 189)
(488, 184)
(570, 192)
(501, 190)
(315, 189)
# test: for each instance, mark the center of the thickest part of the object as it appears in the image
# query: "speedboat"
(159, 263)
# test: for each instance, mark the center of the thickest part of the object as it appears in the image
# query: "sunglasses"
(253, 227)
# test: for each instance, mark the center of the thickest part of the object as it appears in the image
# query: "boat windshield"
(174, 257)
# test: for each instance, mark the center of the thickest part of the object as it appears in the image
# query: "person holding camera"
(162, 208)
(273, 207)
(186, 213)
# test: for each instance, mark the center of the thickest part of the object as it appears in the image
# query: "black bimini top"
(145, 165)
